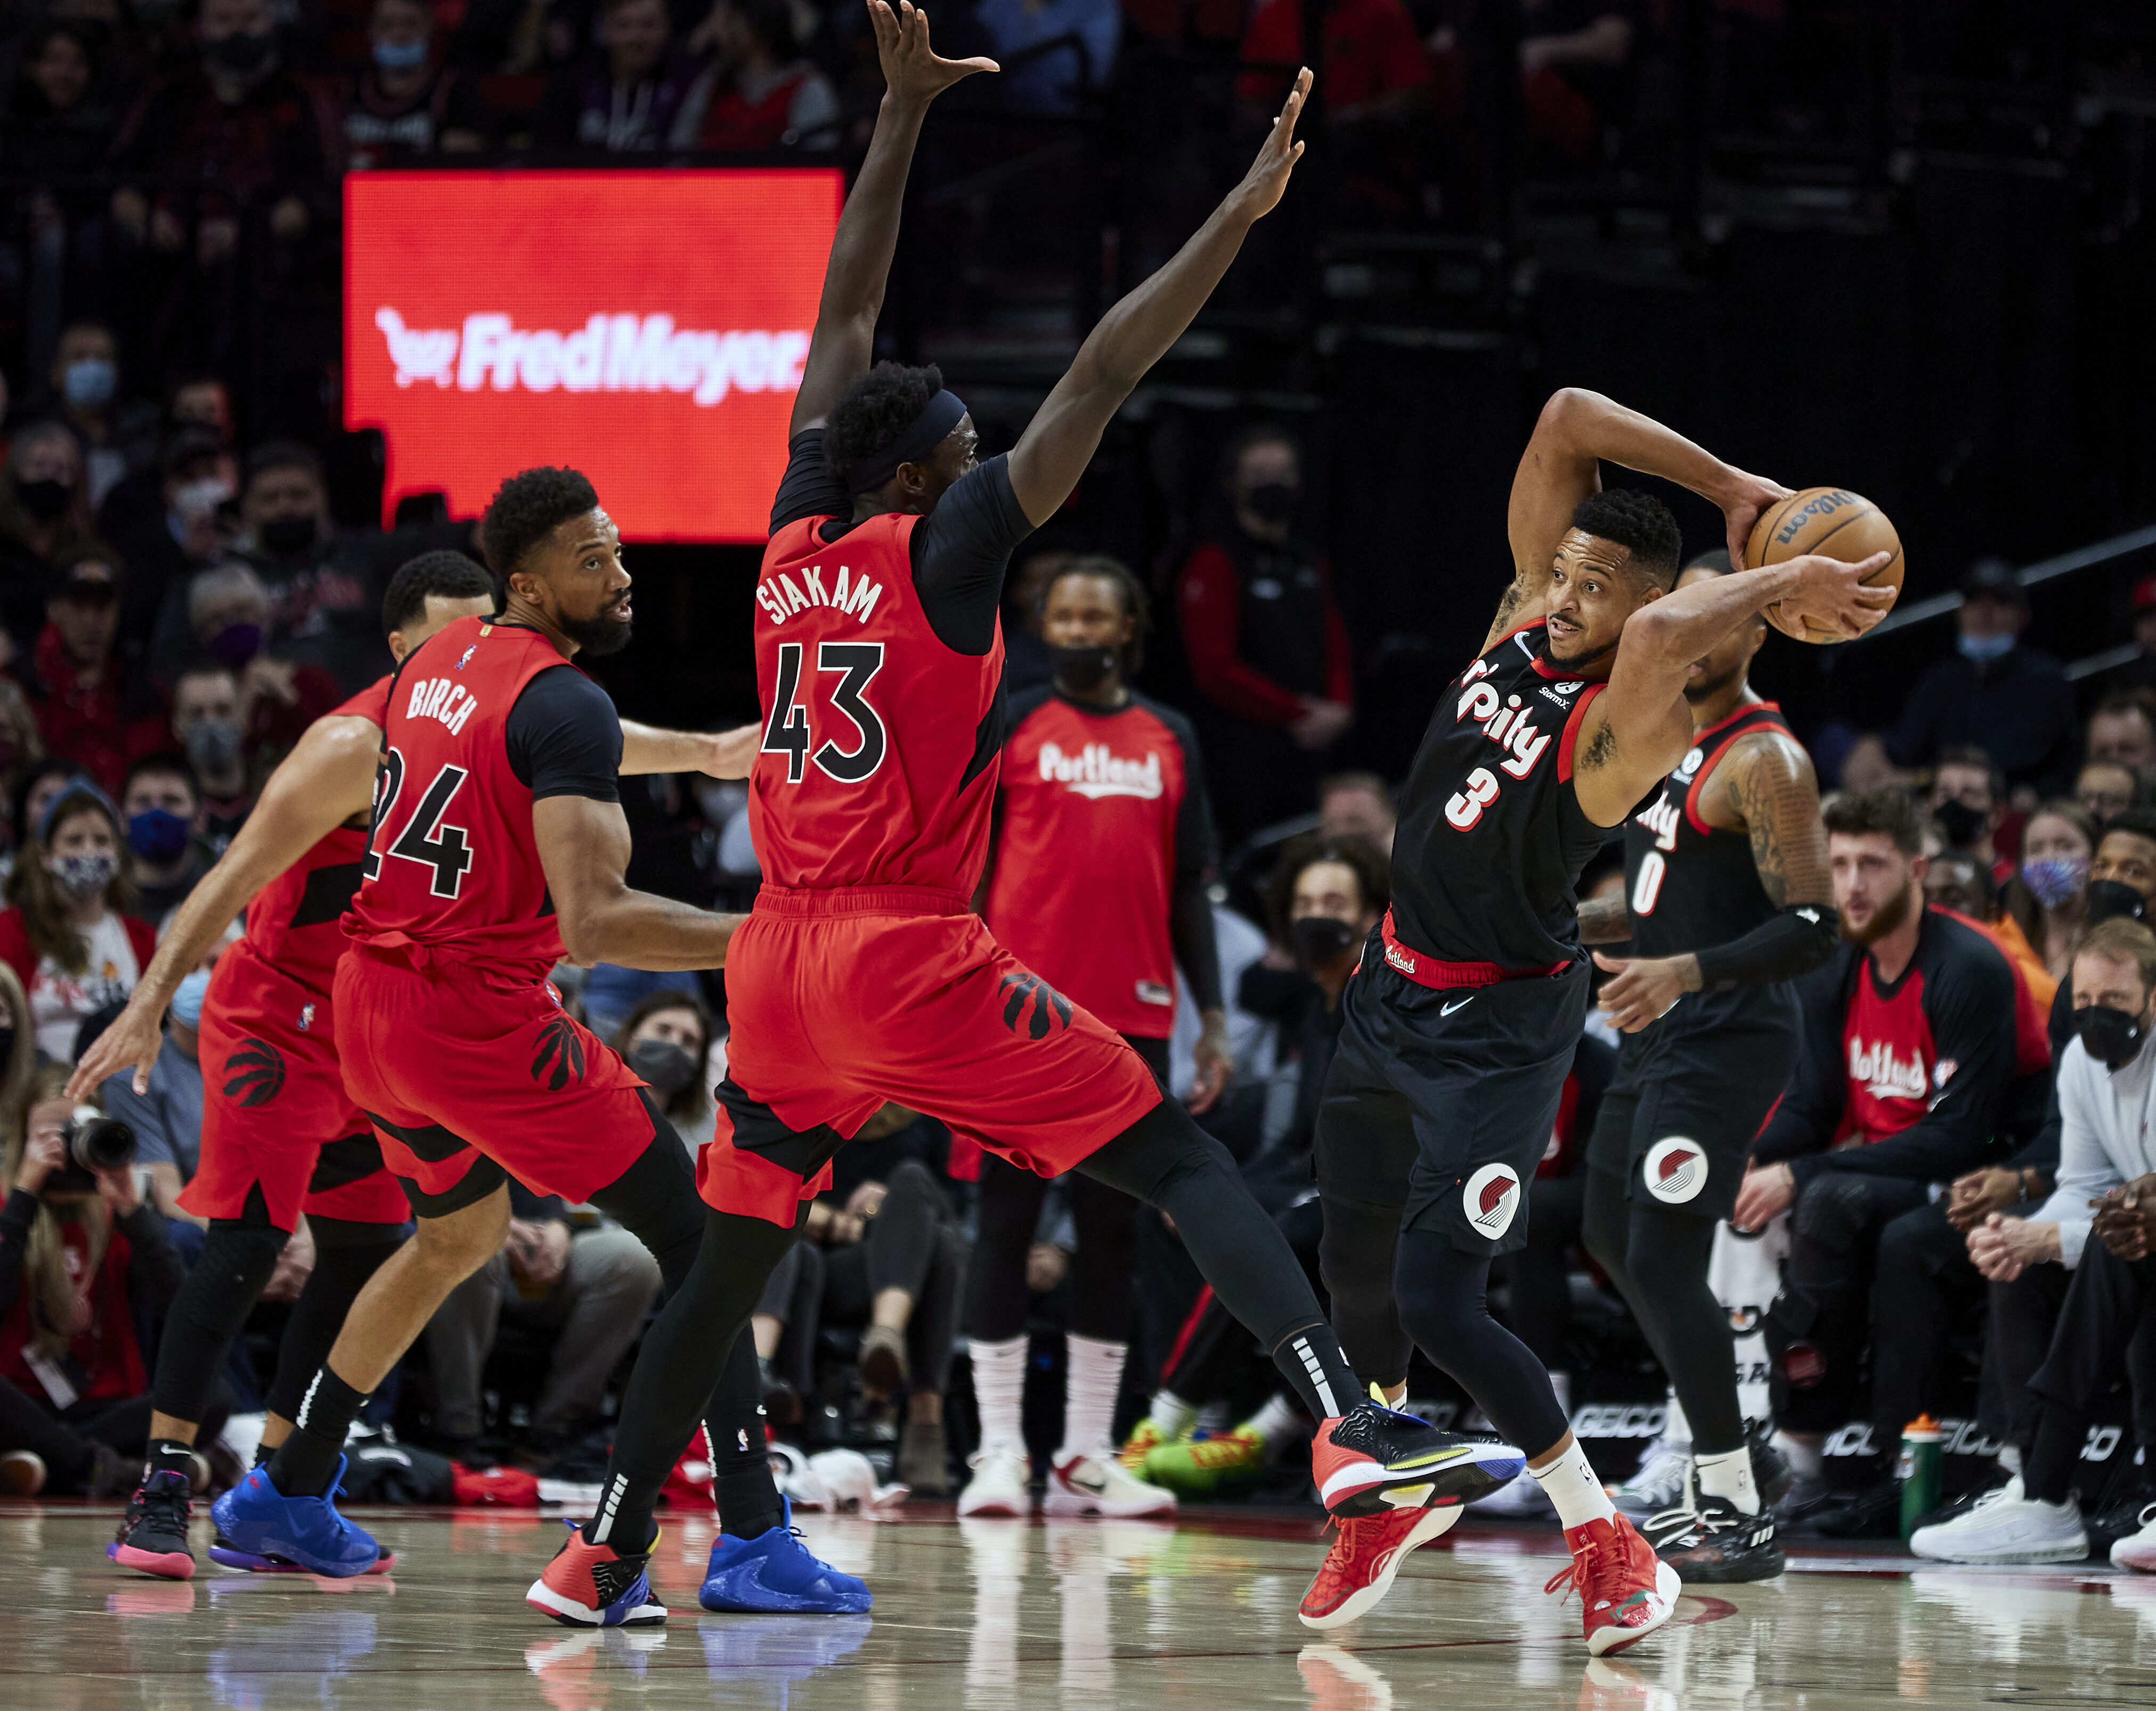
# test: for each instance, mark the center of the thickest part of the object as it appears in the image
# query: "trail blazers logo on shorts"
(1676, 1170)
(1491, 1198)
(1050, 1009)
(254, 1074)
(560, 1051)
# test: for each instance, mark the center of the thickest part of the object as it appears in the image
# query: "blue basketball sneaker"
(256, 1519)
(775, 1571)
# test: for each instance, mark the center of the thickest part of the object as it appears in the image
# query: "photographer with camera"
(81, 1256)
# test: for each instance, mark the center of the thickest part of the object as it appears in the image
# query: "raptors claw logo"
(1051, 1008)
(255, 1073)
(559, 1046)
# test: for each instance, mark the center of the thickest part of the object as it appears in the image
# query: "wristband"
(1796, 941)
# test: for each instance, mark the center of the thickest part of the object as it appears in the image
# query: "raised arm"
(328, 779)
(1060, 440)
(583, 846)
(1576, 432)
(844, 339)
(722, 754)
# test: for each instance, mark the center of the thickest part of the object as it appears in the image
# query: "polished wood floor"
(1012, 1615)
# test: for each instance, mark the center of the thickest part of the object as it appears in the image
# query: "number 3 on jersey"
(788, 734)
(425, 839)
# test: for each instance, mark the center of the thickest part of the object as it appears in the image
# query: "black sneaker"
(1805, 1497)
(2121, 1520)
(153, 1534)
(1873, 1513)
(1772, 1475)
(1718, 1545)
(1360, 1459)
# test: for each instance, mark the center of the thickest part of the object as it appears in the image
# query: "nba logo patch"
(306, 1018)
(1491, 1196)
(465, 659)
(1676, 1170)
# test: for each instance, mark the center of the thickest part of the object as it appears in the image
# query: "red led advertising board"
(645, 327)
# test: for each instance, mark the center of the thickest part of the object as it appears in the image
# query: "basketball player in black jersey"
(1727, 897)
(1462, 1021)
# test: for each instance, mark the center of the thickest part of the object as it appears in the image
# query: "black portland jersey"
(1491, 838)
(1688, 885)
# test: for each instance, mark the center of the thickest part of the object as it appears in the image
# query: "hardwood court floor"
(1014, 1616)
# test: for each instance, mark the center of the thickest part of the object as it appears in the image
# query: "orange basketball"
(1830, 521)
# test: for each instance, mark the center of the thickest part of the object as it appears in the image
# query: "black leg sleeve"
(1443, 1297)
(1009, 1213)
(1535, 1277)
(347, 1255)
(1666, 1255)
(1355, 1256)
(1107, 1221)
(237, 1260)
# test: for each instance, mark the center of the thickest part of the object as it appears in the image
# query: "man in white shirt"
(2107, 1086)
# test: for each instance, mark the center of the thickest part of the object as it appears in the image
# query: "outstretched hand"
(1741, 510)
(911, 71)
(1831, 596)
(1263, 185)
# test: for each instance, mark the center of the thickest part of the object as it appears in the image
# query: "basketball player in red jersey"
(1462, 1022)
(279, 1135)
(863, 975)
(1104, 835)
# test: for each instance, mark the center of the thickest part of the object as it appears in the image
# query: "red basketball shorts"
(840, 1001)
(458, 1064)
(276, 1116)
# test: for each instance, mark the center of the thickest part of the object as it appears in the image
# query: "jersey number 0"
(444, 849)
(787, 733)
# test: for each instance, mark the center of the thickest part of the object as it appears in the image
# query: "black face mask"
(1083, 668)
(43, 500)
(2111, 1037)
(243, 55)
(666, 1066)
(2109, 898)
(1317, 940)
(1963, 825)
(1274, 502)
(288, 537)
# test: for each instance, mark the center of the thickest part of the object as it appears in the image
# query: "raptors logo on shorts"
(1492, 1197)
(1051, 1008)
(1675, 1170)
(560, 1056)
(255, 1074)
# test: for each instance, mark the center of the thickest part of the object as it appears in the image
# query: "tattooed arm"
(1604, 920)
(1771, 793)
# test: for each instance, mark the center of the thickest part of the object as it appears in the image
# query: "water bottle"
(1918, 1470)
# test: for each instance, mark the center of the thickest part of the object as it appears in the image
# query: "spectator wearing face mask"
(625, 99)
(2048, 899)
(182, 523)
(1266, 643)
(1968, 801)
(161, 804)
(2011, 701)
(405, 104)
(116, 435)
(167, 1120)
(229, 610)
(43, 512)
(91, 707)
(667, 1040)
(71, 935)
(206, 720)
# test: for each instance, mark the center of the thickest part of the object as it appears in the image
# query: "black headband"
(923, 434)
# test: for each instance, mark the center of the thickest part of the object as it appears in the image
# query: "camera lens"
(97, 1142)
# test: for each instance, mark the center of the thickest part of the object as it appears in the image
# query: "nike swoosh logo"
(1091, 1484)
(1457, 1004)
(1436, 1458)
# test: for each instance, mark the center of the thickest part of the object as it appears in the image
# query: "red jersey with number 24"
(452, 871)
(879, 743)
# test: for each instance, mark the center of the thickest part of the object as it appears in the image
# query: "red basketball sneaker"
(1625, 1591)
(1367, 1552)
(1374, 1457)
(595, 1586)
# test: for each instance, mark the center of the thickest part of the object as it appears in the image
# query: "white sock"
(1092, 1379)
(999, 1394)
(1729, 1475)
(1805, 1451)
(1279, 1419)
(1171, 1413)
(1676, 1427)
(1573, 1490)
(1397, 1395)
(2010, 1457)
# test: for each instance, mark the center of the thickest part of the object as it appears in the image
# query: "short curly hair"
(449, 574)
(874, 410)
(1128, 590)
(526, 508)
(1371, 868)
(1637, 521)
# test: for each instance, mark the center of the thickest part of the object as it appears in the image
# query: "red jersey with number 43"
(452, 864)
(879, 743)
(1094, 830)
(296, 923)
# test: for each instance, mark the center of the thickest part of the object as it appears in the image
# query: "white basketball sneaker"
(1098, 1485)
(2138, 1551)
(2007, 1527)
(998, 1487)
(1659, 1482)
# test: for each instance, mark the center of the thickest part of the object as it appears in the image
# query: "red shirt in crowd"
(1371, 49)
(104, 1350)
(104, 729)
(1219, 633)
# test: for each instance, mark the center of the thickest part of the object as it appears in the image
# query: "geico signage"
(646, 327)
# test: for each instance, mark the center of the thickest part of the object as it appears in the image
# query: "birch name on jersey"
(1096, 771)
(441, 698)
(781, 596)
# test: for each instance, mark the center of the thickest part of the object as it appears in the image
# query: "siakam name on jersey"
(609, 353)
(781, 596)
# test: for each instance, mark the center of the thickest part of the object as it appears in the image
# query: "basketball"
(1831, 521)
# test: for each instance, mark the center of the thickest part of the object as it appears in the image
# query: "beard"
(1571, 663)
(1708, 687)
(599, 636)
(1889, 915)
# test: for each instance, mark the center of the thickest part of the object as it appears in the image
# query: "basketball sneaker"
(256, 1519)
(1658, 1484)
(2138, 1551)
(153, 1534)
(227, 1555)
(1625, 1591)
(1716, 1544)
(596, 1586)
(1198, 1465)
(2007, 1527)
(776, 1571)
(1374, 1457)
(1367, 1552)
(1001, 1485)
(1146, 1436)
(1097, 1485)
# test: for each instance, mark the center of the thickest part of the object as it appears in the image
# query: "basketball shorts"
(842, 1000)
(275, 1115)
(1692, 1091)
(469, 1074)
(1442, 1102)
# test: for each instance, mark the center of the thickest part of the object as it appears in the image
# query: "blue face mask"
(88, 382)
(157, 835)
(187, 1001)
(1983, 649)
(400, 56)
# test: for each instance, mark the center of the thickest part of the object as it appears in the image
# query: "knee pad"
(237, 1260)
(1834, 1211)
